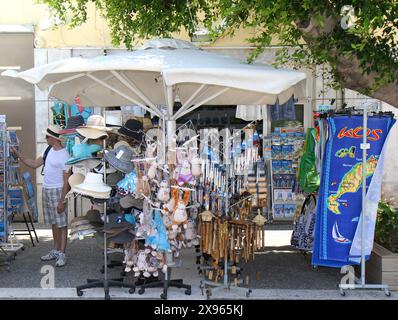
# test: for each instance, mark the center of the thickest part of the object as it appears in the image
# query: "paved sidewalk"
(281, 272)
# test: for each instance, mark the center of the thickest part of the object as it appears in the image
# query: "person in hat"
(55, 188)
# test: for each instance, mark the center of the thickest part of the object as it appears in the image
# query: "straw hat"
(93, 185)
(95, 128)
(53, 131)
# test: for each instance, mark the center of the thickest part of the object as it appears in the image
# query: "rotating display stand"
(105, 283)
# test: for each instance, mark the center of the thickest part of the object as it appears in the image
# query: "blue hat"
(83, 151)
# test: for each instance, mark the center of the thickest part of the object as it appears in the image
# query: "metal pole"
(105, 222)
(364, 172)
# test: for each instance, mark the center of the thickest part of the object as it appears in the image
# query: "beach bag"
(308, 176)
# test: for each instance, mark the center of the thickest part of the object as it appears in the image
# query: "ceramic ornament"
(180, 215)
(164, 191)
(185, 175)
(196, 167)
(152, 170)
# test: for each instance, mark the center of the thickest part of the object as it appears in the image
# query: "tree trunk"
(348, 68)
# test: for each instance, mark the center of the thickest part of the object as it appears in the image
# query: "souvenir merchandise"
(93, 185)
(100, 169)
(128, 185)
(303, 227)
(308, 175)
(133, 129)
(95, 128)
(128, 202)
(113, 178)
(86, 225)
(287, 145)
(73, 180)
(73, 123)
(120, 158)
(83, 151)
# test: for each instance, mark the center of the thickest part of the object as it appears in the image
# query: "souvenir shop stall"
(12, 198)
(343, 153)
(210, 199)
(174, 187)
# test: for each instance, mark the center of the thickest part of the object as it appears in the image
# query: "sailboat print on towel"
(337, 235)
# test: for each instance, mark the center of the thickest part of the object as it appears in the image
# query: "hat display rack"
(93, 186)
(105, 283)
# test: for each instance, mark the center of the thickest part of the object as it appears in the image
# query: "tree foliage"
(363, 57)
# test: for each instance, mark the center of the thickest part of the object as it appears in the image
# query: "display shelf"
(285, 151)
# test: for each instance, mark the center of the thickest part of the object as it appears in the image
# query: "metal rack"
(361, 283)
(274, 200)
(105, 283)
(3, 184)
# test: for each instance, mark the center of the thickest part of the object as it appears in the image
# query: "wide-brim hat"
(114, 178)
(53, 131)
(73, 123)
(91, 193)
(120, 158)
(128, 202)
(93, 184)
(113, 119)
(83, 151)
(133, 128)
(97, 122)
(121, 143)
(122, 238)
(94, 216)
(108, 169)
(116, 221)
(79, 221)
(92, 133)
(88, 163)
(74, 180)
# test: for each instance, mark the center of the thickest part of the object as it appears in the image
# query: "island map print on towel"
(340, 195)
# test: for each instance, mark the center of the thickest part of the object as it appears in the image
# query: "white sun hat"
(93, 185)
(73, 180)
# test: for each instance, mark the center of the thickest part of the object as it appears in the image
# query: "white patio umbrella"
(158, 74)
(161, 72)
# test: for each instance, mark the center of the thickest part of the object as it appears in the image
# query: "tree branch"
(347, 67)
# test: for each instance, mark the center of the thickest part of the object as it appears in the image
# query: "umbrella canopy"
(160, 73)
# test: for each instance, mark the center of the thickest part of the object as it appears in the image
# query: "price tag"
(119, 154)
